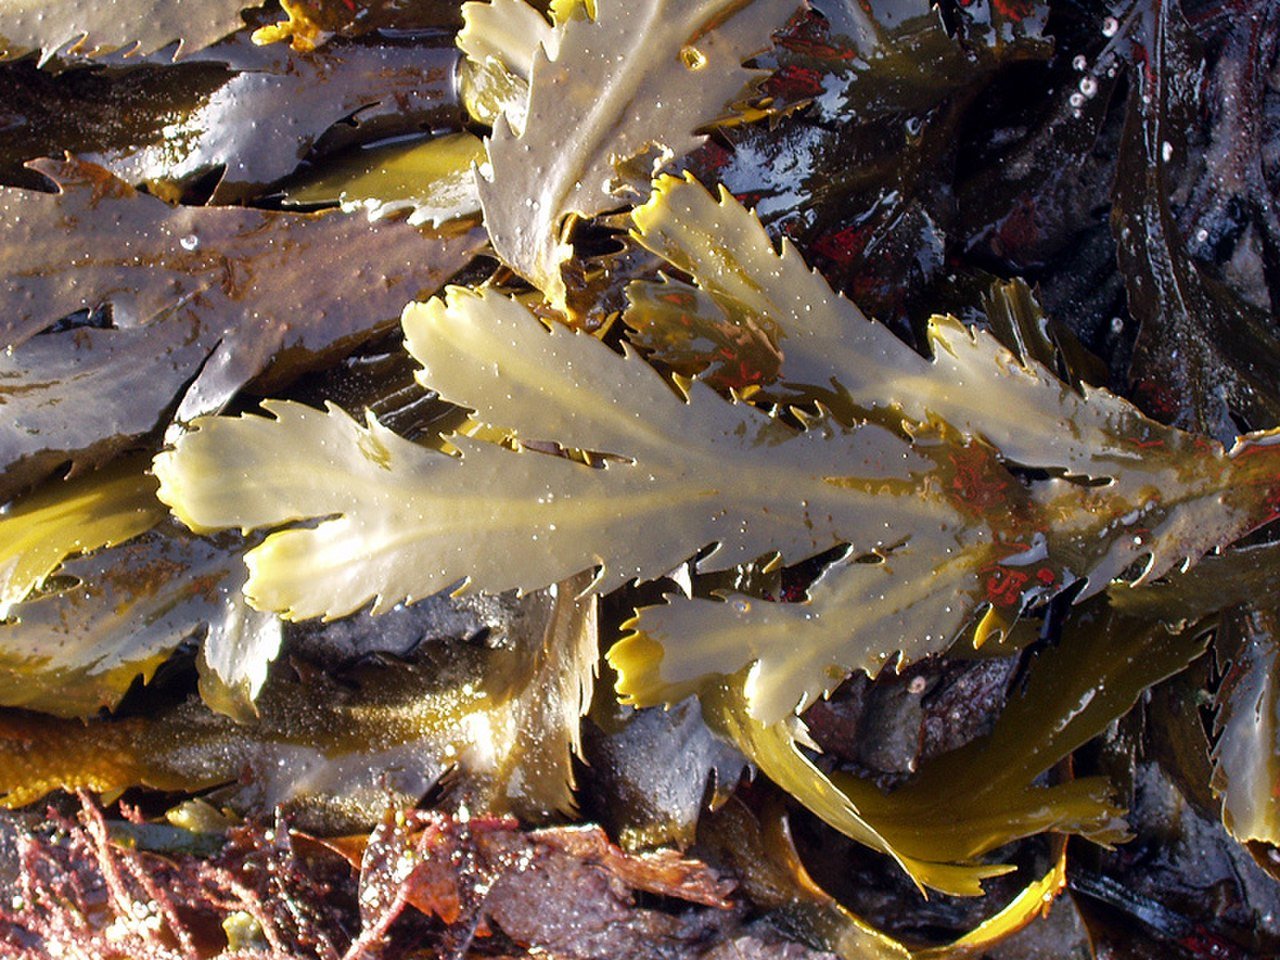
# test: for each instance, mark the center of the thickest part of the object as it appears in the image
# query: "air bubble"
(1110, 26)
(189, 242)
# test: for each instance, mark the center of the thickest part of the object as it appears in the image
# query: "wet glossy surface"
(1119, 161)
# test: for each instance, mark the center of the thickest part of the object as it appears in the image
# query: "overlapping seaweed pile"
(877, 395)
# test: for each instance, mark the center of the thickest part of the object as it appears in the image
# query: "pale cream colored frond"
(508, 31)
(858, 616)
(972, 382)
(398, 521)
(617, 99)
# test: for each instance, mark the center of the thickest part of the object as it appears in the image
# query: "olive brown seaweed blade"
(200, 301)
(88, 28)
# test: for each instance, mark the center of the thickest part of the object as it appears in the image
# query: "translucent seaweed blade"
(1021, 408)
(103, 760)
(67, 517)
(970, 801)
(1245, 765)
(239, 648)
(500, 39)
(687, 473)
(1220, 580)
(906, 600)
(430, 179)
(724, 249)
(773, 875)
(775, 749)
(620, 96)
(1163, 511)
(486, 352)
(859, 616)
(684, 327)
(983, 795)
(1168, 497)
